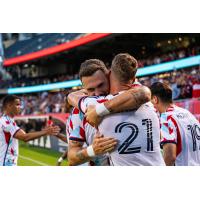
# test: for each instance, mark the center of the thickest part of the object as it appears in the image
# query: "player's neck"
(118, 87)
(9, 114)
(165, 107)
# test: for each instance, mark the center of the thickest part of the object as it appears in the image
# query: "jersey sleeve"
(168, 129)
(87, 101)
(74, 126)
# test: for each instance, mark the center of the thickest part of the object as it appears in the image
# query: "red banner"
(56, 49)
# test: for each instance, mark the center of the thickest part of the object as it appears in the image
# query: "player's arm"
(76, 153)
(63, 157)
(129, 100)
(74, 97)
(79, 155)
(169, 154)
(22, 135)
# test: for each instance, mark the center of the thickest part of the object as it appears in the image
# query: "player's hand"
(92, 117)
(52, 130)
(102, 145)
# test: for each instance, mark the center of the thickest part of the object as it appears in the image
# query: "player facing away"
(10, 133)
(180, 130)
(137, 132)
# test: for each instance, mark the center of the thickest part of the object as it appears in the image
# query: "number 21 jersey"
(138, 134)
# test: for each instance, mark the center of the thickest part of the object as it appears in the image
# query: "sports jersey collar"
(171, 108)
(8, 117)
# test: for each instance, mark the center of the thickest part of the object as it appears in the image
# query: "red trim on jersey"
(166, 124)
(75, 111)
(12, 151)
(179, 143)
(7, 136)
(170, 109)
(82, 133)
(84, 122)
(70, 124)
(102, 100)
(135, 85)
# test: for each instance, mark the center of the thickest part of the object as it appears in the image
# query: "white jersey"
(79, 130)
(8, 144)
(138, 134)
(180, 127)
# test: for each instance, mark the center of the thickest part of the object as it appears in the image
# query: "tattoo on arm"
(139, 98)
(142, 96)
(80, 155)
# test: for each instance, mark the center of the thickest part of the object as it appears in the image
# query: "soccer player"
(10, 133)
(138, 131)
(180, 130)
(94, 76)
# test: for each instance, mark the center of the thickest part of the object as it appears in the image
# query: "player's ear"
(157, 100)
(154, 100)
(9, 105)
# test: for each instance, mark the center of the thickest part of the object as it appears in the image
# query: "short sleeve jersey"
(138, 134)
(180, 127)
(79, 130)
(8, 144)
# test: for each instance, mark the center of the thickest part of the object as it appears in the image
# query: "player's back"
(138, 134)
(188, 135)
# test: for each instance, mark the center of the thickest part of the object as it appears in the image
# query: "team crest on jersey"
(181, 115)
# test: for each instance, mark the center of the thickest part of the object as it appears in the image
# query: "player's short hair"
(89, 67)
(162, 91)
(124, 67)
(9, 99)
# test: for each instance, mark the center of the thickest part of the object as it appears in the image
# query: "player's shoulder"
(148, 105)
(4, 119)
(182, 113)
(166, 116)
(76, 114)
(75, 111)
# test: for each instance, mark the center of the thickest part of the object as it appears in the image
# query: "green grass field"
(36, 156)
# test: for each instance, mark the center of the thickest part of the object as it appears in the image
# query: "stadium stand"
(33, 77)
(38, 42)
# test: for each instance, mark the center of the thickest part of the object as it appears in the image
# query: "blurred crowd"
(42, 103)
(181, 81)
(20, 79)
(171, 55)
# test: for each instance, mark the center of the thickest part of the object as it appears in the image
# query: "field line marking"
(35, 161)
